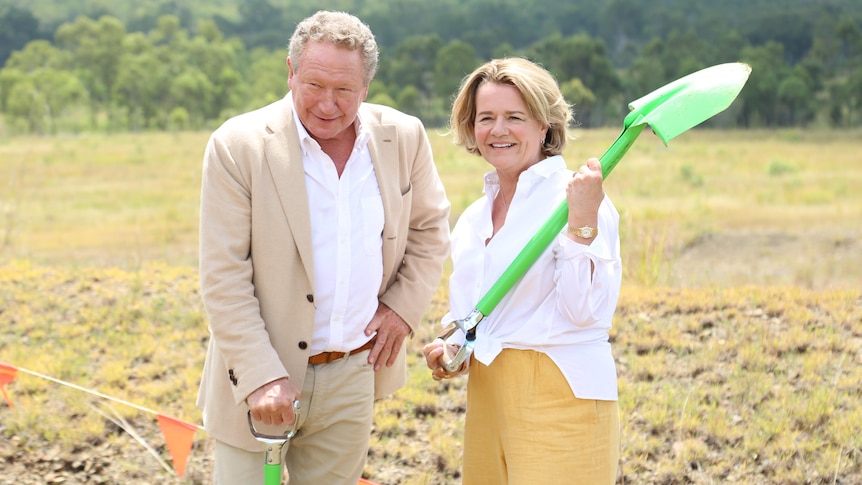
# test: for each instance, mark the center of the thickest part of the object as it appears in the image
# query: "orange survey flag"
(7, 375)
(179, 437)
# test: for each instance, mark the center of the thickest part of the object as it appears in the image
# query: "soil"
(729, 259)
(814, 261)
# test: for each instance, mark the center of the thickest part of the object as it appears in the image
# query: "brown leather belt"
(327, 357)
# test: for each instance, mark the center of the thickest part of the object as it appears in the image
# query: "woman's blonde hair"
(539, 89)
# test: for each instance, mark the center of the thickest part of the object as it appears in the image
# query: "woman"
(542, 391)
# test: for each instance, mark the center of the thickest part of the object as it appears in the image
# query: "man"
(324, 227)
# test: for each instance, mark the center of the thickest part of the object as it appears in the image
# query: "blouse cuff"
(599, 250)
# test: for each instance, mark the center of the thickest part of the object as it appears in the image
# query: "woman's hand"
(584, 195)
(435, 352)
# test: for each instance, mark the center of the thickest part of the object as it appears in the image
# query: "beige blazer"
(256, 263)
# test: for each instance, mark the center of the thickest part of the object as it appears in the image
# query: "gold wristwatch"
(585, 232)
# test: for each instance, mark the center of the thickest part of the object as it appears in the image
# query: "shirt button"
(303, 345)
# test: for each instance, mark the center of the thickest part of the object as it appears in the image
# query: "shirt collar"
(529, 178)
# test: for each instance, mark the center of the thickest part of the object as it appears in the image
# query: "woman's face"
(507, 136)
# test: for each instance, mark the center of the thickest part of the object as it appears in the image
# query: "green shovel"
(273, 446)
(670, 111)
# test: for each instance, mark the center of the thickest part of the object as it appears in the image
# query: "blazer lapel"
(284, 159)
(383, 148)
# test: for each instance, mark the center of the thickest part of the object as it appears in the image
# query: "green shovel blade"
(669, 111)
(690, 100)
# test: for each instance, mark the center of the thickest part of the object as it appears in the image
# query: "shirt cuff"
(600, 248)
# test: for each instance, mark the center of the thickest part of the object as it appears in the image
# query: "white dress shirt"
(347, 233)
(558, 307)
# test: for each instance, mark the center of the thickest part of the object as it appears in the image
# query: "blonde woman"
(542, 388)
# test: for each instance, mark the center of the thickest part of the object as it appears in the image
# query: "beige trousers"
(331, 446)
(524, 426)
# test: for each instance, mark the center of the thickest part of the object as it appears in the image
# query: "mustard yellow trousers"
(524, 426)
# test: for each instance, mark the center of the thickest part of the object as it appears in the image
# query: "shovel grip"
(455, 362)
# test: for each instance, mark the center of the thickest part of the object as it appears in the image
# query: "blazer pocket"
(406, 206)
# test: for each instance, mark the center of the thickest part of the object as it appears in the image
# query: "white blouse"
(557, 307)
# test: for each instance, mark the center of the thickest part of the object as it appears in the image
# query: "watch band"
(585, 232)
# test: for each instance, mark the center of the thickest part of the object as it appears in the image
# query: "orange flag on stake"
(7, 375)
(179, 437)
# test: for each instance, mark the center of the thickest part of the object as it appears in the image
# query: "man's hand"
(272, 403)
(391, 331)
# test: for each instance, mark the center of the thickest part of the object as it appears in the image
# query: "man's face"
(327, 89)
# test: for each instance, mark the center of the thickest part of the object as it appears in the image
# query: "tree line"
(168, 66)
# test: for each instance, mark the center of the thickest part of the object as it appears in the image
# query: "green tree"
(263, 25)
(579, 56)
(8, 79)
(648, 71)
(759, 96)
(412, 63)
(267, 78)
(796, 104)
(454, 61)
(850, 36)
(41, 98)
(36, 86)
(142, 83)
(582, 57)
(580, 97)
(844, 100)
(17, 28)
(409, 100)
(193, 91)
(384, 99)
(217, 61)
(854, 98)
(95, 48)
(38, 54)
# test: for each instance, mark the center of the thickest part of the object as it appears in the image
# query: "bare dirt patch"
(814, 260)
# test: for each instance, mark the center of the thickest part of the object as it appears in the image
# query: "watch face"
(586, 232)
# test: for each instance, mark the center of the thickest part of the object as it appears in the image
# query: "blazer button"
(310, 298)
(303, 345)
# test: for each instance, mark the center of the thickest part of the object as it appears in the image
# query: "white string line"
(99, 394)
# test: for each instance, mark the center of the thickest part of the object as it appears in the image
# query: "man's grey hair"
(341, 29)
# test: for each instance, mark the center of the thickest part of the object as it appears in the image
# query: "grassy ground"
(738, 335)
(771, 204)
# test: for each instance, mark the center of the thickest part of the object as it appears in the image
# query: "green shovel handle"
(272, 474)
(549, 230)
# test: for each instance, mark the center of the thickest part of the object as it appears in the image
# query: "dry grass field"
(738, 335)
(713, 208)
